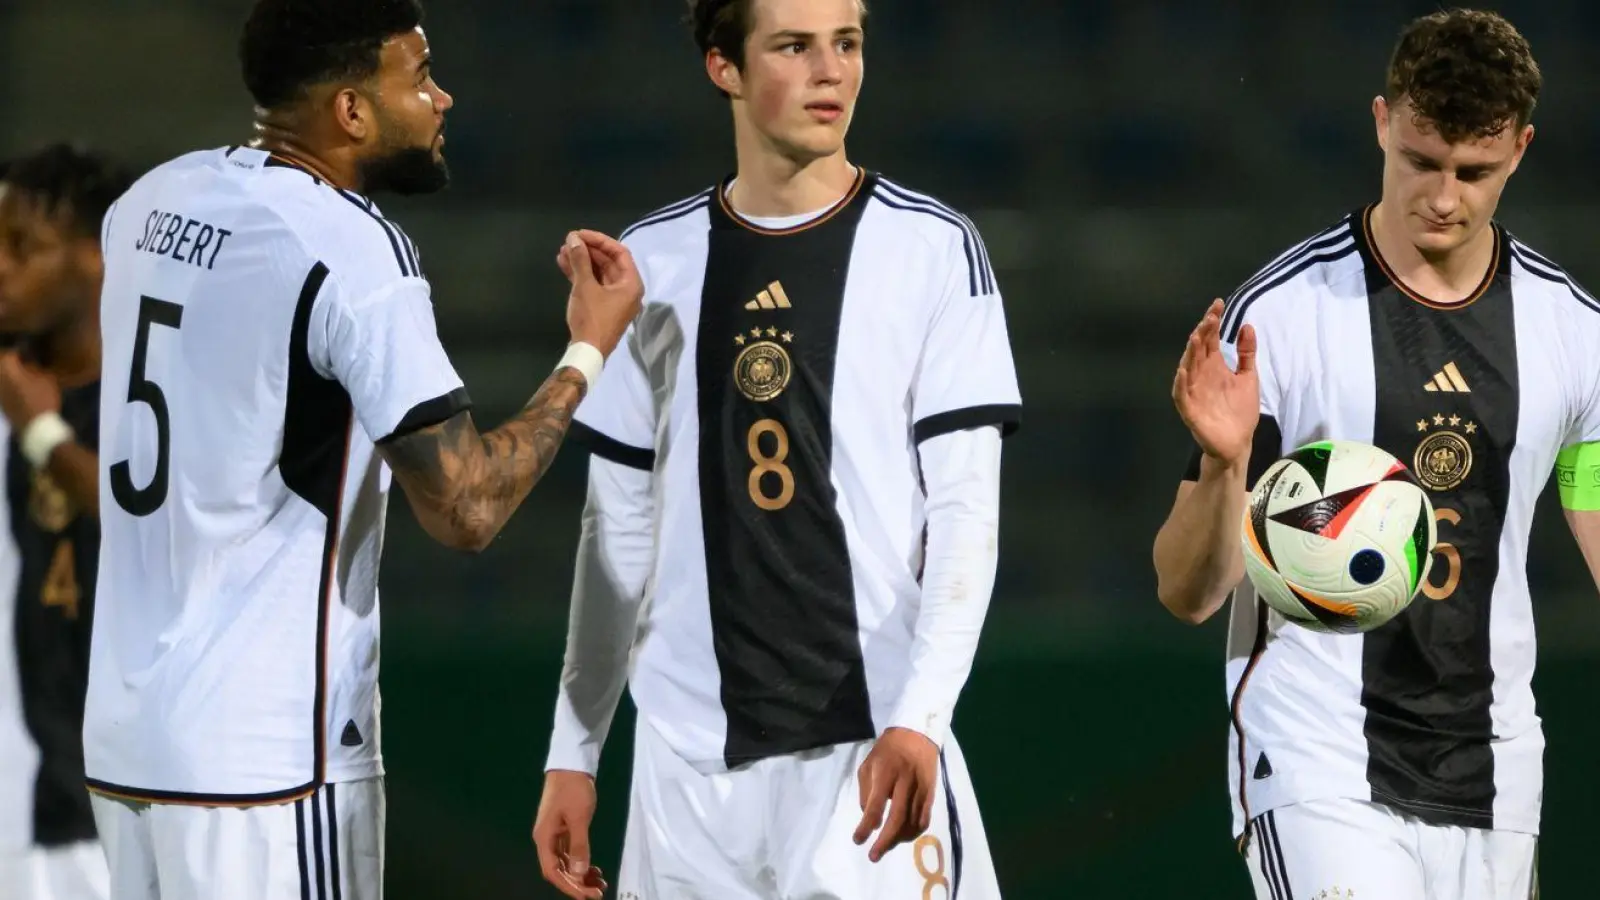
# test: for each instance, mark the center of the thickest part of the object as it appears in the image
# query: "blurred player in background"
(791, 530)
(271, 361)
(51, 206)
(1404, 763)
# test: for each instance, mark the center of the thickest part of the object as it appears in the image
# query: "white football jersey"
(777, 386)
(19, 752)
(262, 329)
(1433, 712)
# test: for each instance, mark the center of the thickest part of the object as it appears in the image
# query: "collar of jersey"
(734, 216)
(1365, 239)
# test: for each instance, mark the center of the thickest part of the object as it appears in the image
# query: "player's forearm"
(1197, 556)
(1585, 526)
(961, 472)
(518, 453)
(615, 554)
(76, 469)
(464, 485)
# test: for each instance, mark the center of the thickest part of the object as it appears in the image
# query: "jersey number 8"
(772, 464)
(146, 500)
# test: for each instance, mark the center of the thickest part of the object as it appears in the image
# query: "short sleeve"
(617, 420)
(384, 350)
(1586, 422)
(966, 377)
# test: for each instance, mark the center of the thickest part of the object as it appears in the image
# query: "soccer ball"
(1338, 536)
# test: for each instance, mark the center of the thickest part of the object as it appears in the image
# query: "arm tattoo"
(468, 483)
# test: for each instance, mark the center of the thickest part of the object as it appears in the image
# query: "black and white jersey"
(261, 329)
(1433, 712)
(774, 393)
(55, 547)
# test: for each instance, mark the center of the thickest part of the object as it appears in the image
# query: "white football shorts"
(325, 846)
(783, 827)
(71, 872)
(1353, 850)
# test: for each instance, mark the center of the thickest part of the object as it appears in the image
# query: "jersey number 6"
(1452, 559)
(146, 500)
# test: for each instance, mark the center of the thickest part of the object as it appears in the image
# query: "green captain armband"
(1578, 477)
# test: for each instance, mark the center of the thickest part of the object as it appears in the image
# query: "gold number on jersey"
(1452, 559)
(772, 464)
(932, 875)
(61, 582)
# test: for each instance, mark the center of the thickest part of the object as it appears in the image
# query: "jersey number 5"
(146, 500)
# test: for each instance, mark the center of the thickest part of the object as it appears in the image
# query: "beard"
(408, 171)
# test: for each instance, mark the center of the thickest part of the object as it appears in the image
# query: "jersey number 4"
(146, 500)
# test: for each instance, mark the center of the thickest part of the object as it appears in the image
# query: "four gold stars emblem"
(744, 338)
(1454, 421)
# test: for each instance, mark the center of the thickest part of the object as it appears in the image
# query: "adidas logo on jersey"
(1448, 380)
(771, 298)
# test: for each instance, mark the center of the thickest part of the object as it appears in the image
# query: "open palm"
(1221, 406)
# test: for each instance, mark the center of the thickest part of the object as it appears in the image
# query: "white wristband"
(43, 435)
(587, 359)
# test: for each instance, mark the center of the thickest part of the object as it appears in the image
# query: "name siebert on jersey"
(234, 656)
(173, 234)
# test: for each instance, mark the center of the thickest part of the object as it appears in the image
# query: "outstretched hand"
(1220, 405)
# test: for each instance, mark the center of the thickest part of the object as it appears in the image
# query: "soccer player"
(790, 536)
(271, 362)
(1402, 763)
(51, 206)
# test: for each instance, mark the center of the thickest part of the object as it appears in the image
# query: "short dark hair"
(73, 183)
(1467, 73)
(724, 26)
(721, 25)
(291, 45)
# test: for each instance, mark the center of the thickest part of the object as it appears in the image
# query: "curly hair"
(724, 26)
(291, 45)
(1467, 73)
(72, 183)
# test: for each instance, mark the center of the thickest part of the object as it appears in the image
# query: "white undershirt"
(775, 223)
